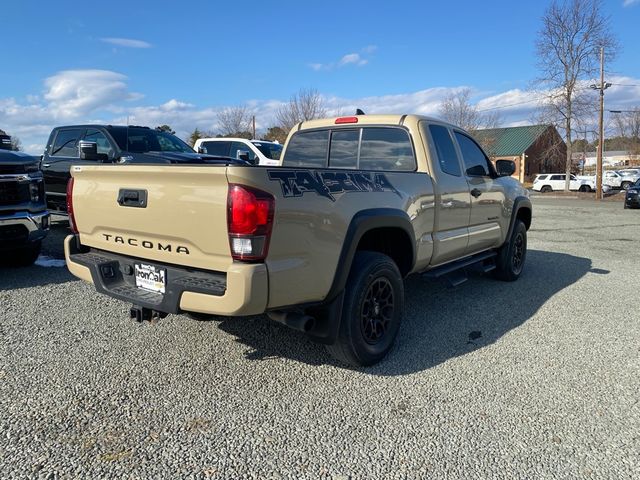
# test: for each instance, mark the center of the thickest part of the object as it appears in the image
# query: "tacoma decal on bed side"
(295, 183)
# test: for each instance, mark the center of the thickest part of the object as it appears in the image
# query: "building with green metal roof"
(534, 148)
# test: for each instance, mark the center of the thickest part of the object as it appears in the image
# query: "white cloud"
(353, 58)
(628, 3)
(126, 42)
(348, 59)
(101, 96)
(74, 93)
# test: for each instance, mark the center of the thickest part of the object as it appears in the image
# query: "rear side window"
(447, 156)
(66, 143)
(557, 177)
(386, 149)
(475, 163)
(216, 148)
(541, 177)
(307, 149)
(343, 152)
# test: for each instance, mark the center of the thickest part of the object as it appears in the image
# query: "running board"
(455, 272)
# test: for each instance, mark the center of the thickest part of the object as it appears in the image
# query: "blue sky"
(155, 62)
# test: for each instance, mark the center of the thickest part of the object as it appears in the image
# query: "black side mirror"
(505, 168)
(88, 150)
(243, 155)
(202, 150)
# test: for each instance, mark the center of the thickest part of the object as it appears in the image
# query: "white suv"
(549, 182)
(258, 152)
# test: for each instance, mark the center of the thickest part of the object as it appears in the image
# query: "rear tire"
(371, 311)
(625, 185)
(546, 188)
(512, 255)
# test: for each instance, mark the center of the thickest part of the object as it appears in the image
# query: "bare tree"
(16, 144)
(457, 109)
(307, 104)
(628, 126)
(567, 50)
(234, 121)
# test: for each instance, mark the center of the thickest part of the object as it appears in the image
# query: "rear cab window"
(364, 148)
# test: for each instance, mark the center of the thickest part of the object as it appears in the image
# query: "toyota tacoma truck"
(321, 243)
(24, 220)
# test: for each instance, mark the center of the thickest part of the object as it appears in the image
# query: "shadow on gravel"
(439, 323)
(12, 278)
(35, 276)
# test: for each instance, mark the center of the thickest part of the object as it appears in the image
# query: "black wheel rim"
(377, 311)
(518, 253)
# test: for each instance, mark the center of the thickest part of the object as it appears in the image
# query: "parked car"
(24, 220)
(258, 152)
(617, 180)
(92, 144)
(321, 244)
(632, 196)
(630, 171)
(549, 182)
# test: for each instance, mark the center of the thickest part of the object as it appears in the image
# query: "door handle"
(46, 165)
(476, 192)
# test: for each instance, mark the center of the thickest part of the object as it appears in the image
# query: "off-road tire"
(23, 256)
(546, 188)
(371, 311)
(512, 255)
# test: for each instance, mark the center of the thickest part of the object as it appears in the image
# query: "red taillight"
(346, 120)
(72, 219)
(249, 221)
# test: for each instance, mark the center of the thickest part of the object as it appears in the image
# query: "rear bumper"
(23, 227)
(241, 290)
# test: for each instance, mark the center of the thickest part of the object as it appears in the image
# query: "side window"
(475, 162)
(386, 149)
(216, 148)
(557, 177)
(66, 143)
(573, 177)
(104, 146)
(446, 152)
(307, 149)
(343, 152)
(237, 147)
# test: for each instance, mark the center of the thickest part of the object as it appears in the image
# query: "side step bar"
(455, 272)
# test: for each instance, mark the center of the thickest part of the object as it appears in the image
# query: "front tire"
(371, 311)
(512, 255)
(625, 185)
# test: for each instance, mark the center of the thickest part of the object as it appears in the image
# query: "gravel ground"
(550, 389)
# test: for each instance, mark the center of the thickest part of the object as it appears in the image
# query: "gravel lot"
(550, 389)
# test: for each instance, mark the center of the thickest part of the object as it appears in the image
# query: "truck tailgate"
(171, 214)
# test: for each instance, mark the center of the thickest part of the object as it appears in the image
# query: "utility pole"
(254, 127)
(602, 87)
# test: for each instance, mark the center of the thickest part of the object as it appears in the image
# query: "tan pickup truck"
(321, 243)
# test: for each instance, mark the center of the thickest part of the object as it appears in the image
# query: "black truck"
(24, 220)
(92, 144)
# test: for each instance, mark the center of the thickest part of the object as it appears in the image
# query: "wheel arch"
(383, 230)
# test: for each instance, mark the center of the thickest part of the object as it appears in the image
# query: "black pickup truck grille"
(12, 193)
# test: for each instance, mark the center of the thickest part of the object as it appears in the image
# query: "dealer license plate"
(150, 277)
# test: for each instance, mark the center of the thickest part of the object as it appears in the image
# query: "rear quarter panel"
(312, 214)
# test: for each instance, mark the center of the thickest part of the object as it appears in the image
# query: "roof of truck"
(376, 119)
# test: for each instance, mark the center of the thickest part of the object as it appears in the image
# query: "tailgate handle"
(132, 198)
